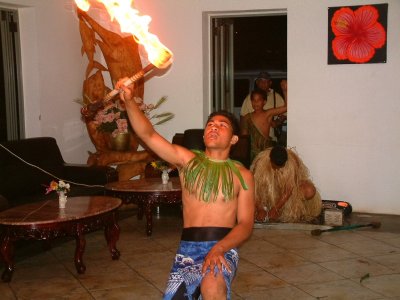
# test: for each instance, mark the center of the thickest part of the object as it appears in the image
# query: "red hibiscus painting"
(357, 34)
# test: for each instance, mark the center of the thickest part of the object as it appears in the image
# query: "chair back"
(193, 139)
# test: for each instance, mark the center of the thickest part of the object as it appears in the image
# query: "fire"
(83, 4)
(131, 22)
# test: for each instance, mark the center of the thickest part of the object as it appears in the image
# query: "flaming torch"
(129, 20)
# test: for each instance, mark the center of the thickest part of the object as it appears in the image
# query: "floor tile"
(41, 271)
(305, 274)
(323, 253)
(391, 261)
(340, 289)
(369, 247)
(109, 281)
(386, 285)
(259, 246)
(37, 288)
(246, 282)
(341, 237)
(137, 290)
(357, 267)
(275, 260)
(6, 292)
(283, 293)
(247, 266)
(297, 242)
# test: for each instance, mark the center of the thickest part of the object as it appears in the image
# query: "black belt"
(198, 234)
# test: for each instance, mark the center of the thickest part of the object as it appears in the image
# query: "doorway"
(260, 44)
(241, 47)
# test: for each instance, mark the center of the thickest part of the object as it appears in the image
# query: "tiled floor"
(275, 263)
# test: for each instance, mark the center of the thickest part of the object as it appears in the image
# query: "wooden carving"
(122, 58)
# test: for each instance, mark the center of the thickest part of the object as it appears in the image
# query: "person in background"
(217, 199)
(257, 124)
(284, 191)
(264, 82)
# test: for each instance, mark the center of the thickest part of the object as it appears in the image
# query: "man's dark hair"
(230, 116)
(278, 155)
(260, 92)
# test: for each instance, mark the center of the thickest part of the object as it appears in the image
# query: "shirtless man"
(258, 123)
(218, 213)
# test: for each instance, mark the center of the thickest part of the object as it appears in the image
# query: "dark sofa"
(22, 179)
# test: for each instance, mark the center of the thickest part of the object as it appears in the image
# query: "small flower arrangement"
(162, 166)
(59, 186)
(113, 119)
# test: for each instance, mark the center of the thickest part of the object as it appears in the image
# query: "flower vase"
(62, 199)
(165, 177)
(120, 142)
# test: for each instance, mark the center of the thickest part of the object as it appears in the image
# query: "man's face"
(263, 84)
(218, 132)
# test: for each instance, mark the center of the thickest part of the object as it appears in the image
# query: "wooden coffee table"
(45, 221)
(146, 193)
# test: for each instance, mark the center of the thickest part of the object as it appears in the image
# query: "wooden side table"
(146, 193)
(45, 221)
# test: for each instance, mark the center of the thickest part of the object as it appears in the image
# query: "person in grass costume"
(284, 191)
(218, 204)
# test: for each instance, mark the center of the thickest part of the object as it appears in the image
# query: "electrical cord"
(48, 173)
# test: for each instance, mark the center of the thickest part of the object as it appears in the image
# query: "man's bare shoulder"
(246, 173)
(183, 155)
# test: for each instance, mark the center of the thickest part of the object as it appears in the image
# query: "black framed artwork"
(357, 34)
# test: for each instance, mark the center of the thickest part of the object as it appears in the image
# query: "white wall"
(53, 72)
(343, 119)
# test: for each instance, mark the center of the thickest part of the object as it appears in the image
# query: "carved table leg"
(111, 232)
(80, 248)
(7, 253)
(148, 210)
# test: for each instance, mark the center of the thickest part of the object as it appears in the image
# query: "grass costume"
(205, 177)
(270, 184)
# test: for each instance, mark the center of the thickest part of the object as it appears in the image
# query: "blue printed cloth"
(185, 276)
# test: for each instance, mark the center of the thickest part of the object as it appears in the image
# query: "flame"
(83, 4)
(131, 22)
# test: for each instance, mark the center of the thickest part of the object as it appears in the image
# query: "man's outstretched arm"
(145, 130)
